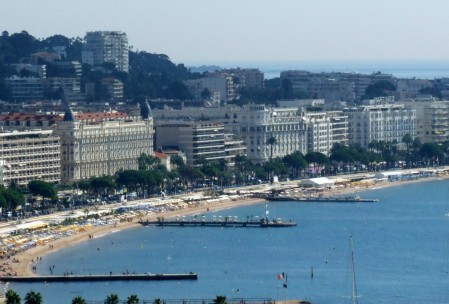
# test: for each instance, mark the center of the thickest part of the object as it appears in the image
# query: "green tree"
(220, 300)
(271, 141)
(112, 299)
(12, 297)
(177, 160)
(379, 89)
(407, 139)
(11, 199)
(78, 300)
(296, 162)
(432, 153)
(44, 189)
(102, 184)
(147, 162)
(132, 299)
(33, 297)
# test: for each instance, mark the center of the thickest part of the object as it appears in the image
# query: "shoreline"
(27, 258)
(21, 264)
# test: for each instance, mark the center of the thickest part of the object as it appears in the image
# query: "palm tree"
(271, 141)
(12, 297)
(78, 300)
(86, 211)
(111, 299)
(33, 297)
(132, 299)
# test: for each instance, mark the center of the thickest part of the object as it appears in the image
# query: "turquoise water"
(401, 251)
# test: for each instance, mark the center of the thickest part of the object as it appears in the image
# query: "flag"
(280, 276)
(285, 284)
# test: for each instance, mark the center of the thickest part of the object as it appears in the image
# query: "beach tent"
(389, 174)
(32, 225)
(319, 182)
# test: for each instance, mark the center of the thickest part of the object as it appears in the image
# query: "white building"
(29, 155)
(96, 144)
(388, 123)
(324, 129)
(106, 46)
(432, 119)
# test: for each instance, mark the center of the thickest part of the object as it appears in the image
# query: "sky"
(255, 30)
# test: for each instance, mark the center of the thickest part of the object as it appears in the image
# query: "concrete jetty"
(105, 277)
(323, 199)
(230, 223)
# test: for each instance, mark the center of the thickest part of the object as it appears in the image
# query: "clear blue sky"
(237, 30)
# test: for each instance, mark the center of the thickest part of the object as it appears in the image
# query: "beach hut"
(318, 182)
(390, 175)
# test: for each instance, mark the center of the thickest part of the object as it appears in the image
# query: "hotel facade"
(96, 144)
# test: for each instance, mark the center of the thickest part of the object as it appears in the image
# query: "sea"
(399, 254)
(400, 68)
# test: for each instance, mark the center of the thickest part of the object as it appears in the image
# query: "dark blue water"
(401, 251)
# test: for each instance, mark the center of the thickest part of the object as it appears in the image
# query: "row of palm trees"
(152, 178)
(33, 297)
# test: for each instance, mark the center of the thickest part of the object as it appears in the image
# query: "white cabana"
(319, 182)
(389, 174)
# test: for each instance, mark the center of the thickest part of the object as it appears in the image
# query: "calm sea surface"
(401, 253)
(422, 69)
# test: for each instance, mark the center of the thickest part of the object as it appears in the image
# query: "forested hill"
(150, 75)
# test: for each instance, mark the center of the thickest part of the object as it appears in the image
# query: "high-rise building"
(29, 155)
(106, 46)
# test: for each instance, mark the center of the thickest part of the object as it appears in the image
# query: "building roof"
(318, 181)
(160, 155)
(14, 116)
(100, 115)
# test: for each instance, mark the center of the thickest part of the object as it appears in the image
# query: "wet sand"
(26, 258)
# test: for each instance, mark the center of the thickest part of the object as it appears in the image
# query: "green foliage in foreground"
(33, 297)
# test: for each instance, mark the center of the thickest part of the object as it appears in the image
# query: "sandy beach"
(21, 263)
(27, 258)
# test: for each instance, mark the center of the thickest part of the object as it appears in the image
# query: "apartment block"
(387, 122)
(247, 78)
(432, 119)
(29, 155)
(196, 139)
(106, 46)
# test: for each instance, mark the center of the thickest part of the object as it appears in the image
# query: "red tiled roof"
(160, 155)
(100, 115)
(28, 116)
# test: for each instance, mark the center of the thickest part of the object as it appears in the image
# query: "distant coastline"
(421, 69)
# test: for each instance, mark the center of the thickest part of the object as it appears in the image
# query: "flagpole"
(277, 292)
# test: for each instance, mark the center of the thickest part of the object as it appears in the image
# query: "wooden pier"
(330, 199)
(96, 278)
(224, 223)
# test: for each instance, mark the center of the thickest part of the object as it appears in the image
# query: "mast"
(354, 285)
